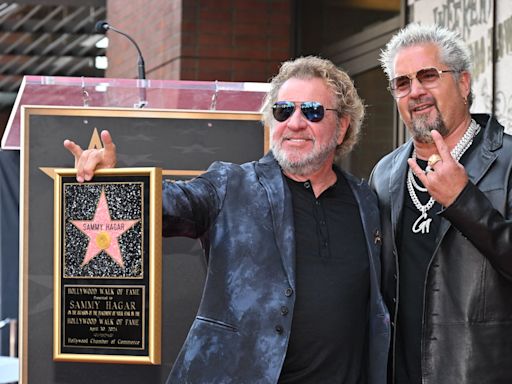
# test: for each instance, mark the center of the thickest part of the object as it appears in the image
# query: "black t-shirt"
(328, 342)
(415, 251)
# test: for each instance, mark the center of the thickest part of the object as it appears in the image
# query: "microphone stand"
(103, 26)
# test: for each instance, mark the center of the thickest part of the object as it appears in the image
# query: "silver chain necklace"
(422, 223)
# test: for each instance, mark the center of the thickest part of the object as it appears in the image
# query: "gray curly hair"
(348, 102)
(453, 52)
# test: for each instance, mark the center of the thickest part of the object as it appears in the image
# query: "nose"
(297, 120)
(417, 89)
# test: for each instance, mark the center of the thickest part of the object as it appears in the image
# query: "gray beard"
(309, 163)
(421, 129)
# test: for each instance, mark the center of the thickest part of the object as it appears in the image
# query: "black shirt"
(414, 256)
(328, 342)
(415, 251)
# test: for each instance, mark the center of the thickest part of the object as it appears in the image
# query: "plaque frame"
(143, 280)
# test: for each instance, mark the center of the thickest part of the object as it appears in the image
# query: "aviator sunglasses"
(312, 110)
(400, 86)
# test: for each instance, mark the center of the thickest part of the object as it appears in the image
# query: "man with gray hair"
(292, 293)
(446, 206)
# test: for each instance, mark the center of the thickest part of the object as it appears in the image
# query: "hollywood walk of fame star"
(103, 233)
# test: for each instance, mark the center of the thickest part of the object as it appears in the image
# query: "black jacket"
(467, 317)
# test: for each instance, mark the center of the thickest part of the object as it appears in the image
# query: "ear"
(344, 122)
(465, 84)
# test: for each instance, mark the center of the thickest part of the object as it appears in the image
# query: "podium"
(128, 93)
(178, 126)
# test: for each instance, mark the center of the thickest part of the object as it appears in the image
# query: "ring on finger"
(433, 159)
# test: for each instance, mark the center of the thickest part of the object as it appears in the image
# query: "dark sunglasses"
(400, 86)
(312, 110)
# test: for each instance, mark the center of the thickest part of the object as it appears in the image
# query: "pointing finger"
(107, 141)
(109, 150)
(74, 148)
(441, 146)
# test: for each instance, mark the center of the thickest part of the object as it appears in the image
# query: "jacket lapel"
(369, 213)
(482, 158)
(279, 197)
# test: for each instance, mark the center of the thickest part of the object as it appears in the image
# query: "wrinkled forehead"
(413, 58)
(310, 89)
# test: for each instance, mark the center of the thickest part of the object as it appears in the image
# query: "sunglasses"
(312, 110)
(400, 86)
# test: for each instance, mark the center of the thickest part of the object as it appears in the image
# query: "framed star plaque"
(107, 267)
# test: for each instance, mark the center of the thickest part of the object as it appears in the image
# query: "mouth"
(296, 140)
(421, 107)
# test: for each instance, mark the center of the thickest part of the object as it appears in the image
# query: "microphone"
(103, 26)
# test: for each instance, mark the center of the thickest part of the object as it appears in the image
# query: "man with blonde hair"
(292, 290)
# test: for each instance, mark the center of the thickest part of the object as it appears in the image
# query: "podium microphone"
(103, 26)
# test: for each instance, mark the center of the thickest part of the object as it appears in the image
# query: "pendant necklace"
(422, 223)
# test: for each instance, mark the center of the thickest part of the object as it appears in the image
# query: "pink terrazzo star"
(103, 233)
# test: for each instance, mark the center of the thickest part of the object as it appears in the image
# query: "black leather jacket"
(467, 316)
